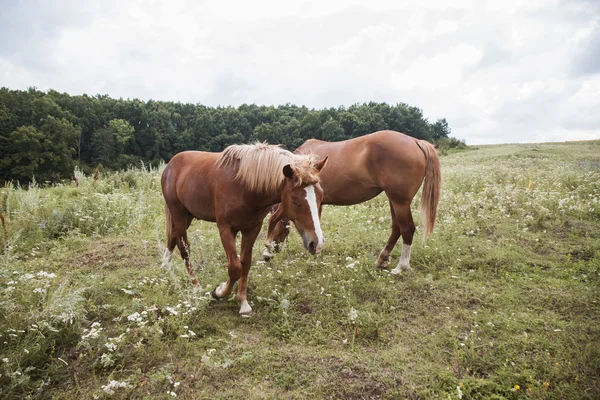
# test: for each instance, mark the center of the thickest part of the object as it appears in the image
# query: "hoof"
(214, 294)
(399, 269)
(245, 309)
(383, 265)
(267, 256)
(383, 261)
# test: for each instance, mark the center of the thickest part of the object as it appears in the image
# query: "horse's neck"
(261, 200)
(269, 199)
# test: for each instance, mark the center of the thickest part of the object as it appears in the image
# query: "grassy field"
(503, 301)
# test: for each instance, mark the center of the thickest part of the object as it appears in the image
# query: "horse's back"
(188, 165)
(360, 168)
(188, 181)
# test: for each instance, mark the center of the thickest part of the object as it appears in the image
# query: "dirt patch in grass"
(111, 254)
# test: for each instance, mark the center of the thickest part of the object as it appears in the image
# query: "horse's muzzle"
(312, 248)
(312, 245)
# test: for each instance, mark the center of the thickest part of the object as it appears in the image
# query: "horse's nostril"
(312, 246)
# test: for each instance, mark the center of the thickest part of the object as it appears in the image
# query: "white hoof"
(398, 270)
(245, 308)
(219, 290)
(267, 255)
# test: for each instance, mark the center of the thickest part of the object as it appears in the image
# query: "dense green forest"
(46, 134)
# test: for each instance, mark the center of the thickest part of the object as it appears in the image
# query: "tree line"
(46, 134)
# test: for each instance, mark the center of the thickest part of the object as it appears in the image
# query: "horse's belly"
(349, 195)
(203, 210)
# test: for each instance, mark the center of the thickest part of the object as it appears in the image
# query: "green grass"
(503, 301)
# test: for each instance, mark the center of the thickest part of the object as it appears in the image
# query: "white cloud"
(443, 69)
(500, 71)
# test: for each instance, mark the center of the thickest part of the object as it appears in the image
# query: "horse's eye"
(296, 202)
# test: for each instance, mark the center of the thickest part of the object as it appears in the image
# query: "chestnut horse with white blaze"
(236, 189)
(361, 168)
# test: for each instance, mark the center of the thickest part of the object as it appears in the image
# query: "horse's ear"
(288, 171)
(320, 164)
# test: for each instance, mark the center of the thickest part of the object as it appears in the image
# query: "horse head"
(301, 202)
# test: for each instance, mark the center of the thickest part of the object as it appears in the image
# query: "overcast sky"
(498, 71)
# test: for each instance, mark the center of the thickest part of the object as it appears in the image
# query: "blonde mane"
(259, 166)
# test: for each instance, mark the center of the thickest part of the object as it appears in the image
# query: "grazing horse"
(361, 168)
(236, 189)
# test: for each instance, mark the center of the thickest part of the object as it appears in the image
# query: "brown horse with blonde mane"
(236, 189)
(361, 168)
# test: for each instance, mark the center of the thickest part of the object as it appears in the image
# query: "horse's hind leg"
(407, 229)
(180, 223)
(384, 257)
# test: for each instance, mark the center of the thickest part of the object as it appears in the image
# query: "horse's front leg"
(248, 239)
(234, 266)
(271, 243)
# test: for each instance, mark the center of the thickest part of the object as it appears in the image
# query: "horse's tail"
(431, 188)
(169, 223)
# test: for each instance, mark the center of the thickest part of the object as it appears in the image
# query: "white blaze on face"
(311, 198)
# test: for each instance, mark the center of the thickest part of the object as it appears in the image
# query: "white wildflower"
(135, 317)
(91, 333)
(172, 310)
(352, 314)
(106, 360)
(284, 303)
(112, 386)
(459, 392)
(44, 274)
